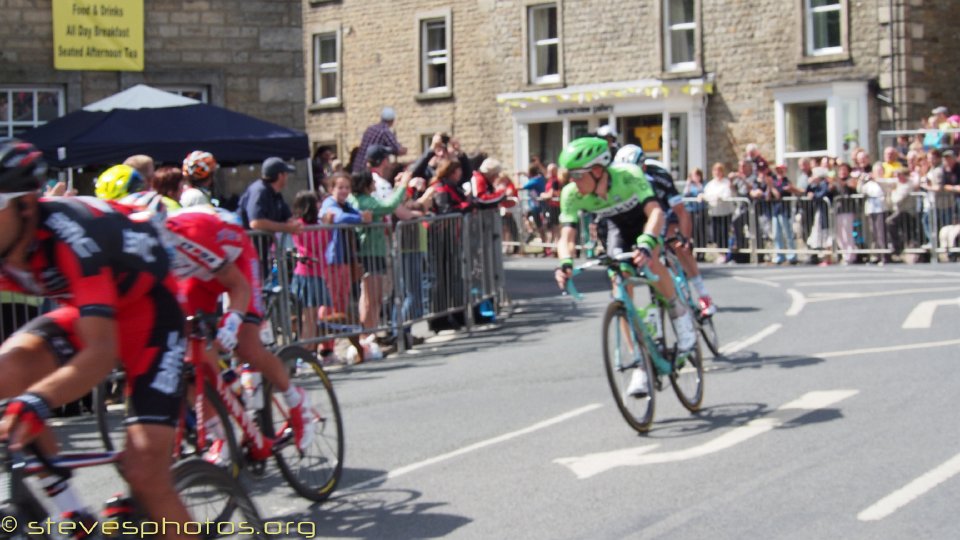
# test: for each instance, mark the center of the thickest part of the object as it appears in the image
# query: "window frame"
(531, 44)
(838, 97)
(7, 123)
(669, 66)
(807, 16)
(424, 61)
(318, 69)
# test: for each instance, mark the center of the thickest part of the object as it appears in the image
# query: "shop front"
(665, 118)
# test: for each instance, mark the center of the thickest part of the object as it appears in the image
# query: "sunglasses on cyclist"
(5, 198)
(579, 174)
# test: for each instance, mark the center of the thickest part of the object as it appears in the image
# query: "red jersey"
(88, 254)
(204, 240)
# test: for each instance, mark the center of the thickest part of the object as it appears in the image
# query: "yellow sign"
(98, 35)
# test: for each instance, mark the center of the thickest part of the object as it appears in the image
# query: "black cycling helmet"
(22, 167)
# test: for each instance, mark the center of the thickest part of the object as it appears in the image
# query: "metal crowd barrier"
(366, 279)
(383, 278)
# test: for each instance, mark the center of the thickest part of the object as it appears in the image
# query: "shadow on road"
(752, 360)
(374, 513)
(732, 415)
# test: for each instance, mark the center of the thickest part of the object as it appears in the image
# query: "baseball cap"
(947, 153)
(376, 153)
(939, 110)
(273, 166)
(388, 114)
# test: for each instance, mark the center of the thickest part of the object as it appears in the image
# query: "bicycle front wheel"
(216, 500)
(709, 333)
(314, 473)
(687, 375)
(624, 359)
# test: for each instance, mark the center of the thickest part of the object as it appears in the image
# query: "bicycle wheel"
(109, 412)
(709, 333)
(216, 500)
(622, 357)
(191, 447)
(315, 473)
(687, 375)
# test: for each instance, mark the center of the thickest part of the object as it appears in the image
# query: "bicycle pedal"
(658, 383)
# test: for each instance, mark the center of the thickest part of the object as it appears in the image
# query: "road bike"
(264, 428)
(638, 339)
(212, 497)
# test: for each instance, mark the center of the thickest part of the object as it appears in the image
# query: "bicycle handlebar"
(612, 263)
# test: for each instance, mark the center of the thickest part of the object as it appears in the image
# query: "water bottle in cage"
(654, 325)
(252, 382)
(232, 380)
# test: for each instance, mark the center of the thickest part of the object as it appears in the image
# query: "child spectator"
(307, 284)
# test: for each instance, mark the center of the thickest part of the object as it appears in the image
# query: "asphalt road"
(828, 416)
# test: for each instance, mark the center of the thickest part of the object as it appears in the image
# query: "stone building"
(520, 77)
(245, 56)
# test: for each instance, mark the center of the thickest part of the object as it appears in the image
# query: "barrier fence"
(344, 281)
(911, 225)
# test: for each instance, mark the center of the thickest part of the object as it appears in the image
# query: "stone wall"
(247, 54)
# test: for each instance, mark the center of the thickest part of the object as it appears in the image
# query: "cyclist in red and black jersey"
(110, 277)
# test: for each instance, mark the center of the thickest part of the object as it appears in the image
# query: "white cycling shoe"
(686, 334)
(638, 384)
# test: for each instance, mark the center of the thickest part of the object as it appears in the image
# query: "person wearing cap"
(483, 183)
(381, 134)
(378, 163)
(262, 207)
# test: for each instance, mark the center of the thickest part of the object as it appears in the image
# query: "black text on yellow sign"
(98, 35)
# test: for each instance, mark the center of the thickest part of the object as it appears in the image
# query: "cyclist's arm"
(655, 218)
(238, 288)
(567, 242)
(87, 368)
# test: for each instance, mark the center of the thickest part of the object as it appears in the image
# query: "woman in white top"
(716, 192)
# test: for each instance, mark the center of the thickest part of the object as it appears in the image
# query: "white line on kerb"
(476, 446)
(738, 346)
(905, 495)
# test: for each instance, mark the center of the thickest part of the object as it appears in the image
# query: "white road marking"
(473, 447)
(826, 297)
(758, 281)
(894, 348)
(737, 346)
(840, 354)
(593, 464)
(905, 495)
(797, 303)
(922, 315)
(856, 282)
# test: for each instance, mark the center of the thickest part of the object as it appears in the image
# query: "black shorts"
(374, 264)
(151, 346)
(622, 239)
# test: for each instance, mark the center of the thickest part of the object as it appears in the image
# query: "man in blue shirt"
(262, 207)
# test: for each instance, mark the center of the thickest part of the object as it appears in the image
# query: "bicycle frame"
(196, 352)
(635, 316)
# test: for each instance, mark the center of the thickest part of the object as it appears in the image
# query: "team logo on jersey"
(618, 209)
(73, 234)
(140, 244)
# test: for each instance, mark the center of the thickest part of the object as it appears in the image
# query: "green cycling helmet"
(584, 153)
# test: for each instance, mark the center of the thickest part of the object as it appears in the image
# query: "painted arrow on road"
(593, 464)
(922, 315)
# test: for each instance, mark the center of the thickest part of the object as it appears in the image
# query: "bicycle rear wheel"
(216, 500)
(687, 375)
(709, 333)
(315, 473)
(622, 358)
(110, 410)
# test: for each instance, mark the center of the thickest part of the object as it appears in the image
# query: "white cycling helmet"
(631, 154)
(607, 131)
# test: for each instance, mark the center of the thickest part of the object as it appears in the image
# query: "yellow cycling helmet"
(117, 182)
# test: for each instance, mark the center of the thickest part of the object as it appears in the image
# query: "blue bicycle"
(640, 347)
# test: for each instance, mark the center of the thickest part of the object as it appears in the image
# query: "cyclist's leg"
(152, 346)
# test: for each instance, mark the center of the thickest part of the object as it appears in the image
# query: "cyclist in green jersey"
(619, 193)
